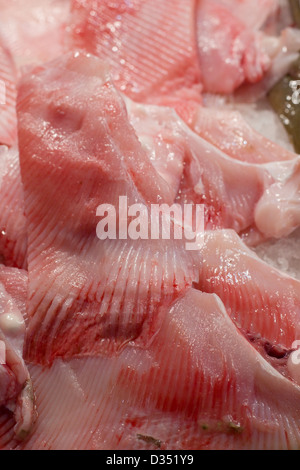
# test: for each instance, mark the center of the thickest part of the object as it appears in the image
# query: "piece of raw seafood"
(15, 282)
(155, 51)
(261, 117)
(13, 231)
(229, 189)
(150, 46)
(78, 151)
(228, 130)
(16, 392)
(279, 207)
(229, 52)
(262, 301)
(112, 308)
(230, 383)
(34, 30)
(283, 51)
(12, 219)
(185, 101)
(8, 95)
(253, 18)
(163, 141)
(199, 385)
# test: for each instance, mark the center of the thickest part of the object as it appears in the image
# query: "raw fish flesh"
(230, 53)
(115, 333)
(228, 131)
(234, 191)
(150, 46)
(13, 225)
(215, 392)
(117, 285)
(263, 302)
(34, 30)
(16, 392)
(8, 95)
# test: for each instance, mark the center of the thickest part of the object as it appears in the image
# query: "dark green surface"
(285, 100)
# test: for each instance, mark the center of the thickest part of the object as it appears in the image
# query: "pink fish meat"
(13, 224)
(216, 392)
(149, 46)
(117, 284)
(139, 163)
(8, 95)
(16, 393)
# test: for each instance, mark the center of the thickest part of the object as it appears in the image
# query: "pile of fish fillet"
(143, 344)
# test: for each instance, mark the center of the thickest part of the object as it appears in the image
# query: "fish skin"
(8, 96)
(150, 47)
(216, 392)
(17, 407)
(117, 285)
(258, 298)
(13, 224)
